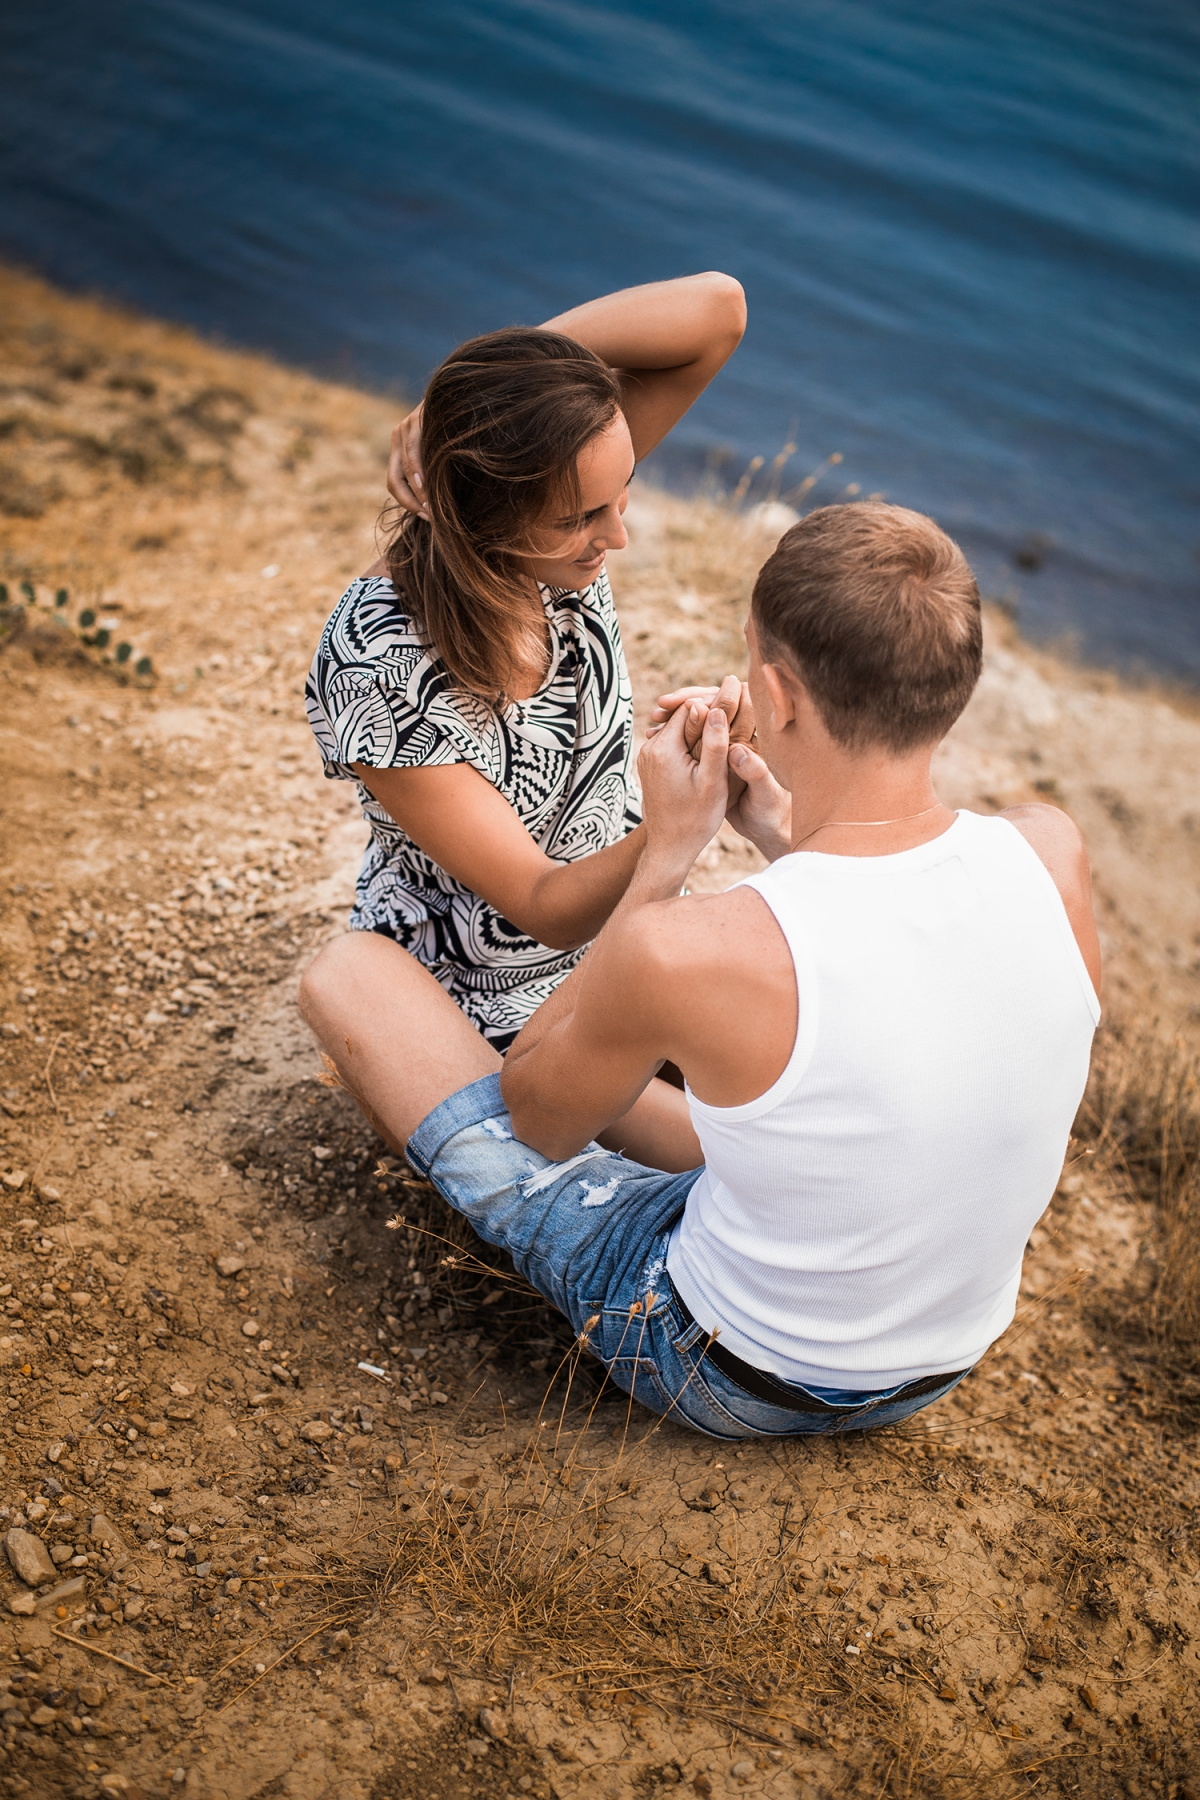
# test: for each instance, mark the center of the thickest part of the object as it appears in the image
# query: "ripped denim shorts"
(591, 1234)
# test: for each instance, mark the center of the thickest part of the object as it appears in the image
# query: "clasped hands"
(699, 765)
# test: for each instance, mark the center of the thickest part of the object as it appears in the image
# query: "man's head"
(876, 611)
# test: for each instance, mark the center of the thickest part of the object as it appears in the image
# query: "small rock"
(477, 1746)
(233, 1585)
(63, 1594)
(134, 1606)
(61, 1553)
(177, 1534)
(316, 1431)
(113, 1784)
(741, 1771)
(55, 1451)
(43, 1715)
(29, 1557)
(24, 1605)
(91, 1695)
(181, 1390)
(494, 1723)
(15, 1179)
(50, 1194)
(230, 1265)
(104, 1531)
(340, 1642)
(250, 1328)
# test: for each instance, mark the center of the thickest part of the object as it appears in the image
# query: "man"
(884, 1036)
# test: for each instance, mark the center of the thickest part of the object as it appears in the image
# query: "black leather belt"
(778, 1393)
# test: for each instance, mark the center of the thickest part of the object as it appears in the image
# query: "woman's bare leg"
(657, 1130)
(401, 1047)
(398, 1041)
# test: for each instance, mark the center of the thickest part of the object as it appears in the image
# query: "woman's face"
(569, 552)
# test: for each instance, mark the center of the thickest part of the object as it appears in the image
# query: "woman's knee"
(332, 974)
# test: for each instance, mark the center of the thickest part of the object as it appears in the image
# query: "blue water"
(968, 234)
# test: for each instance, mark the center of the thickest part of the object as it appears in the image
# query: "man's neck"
(868, 805)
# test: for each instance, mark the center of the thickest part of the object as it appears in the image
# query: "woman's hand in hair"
(405, 476)
(733, 698)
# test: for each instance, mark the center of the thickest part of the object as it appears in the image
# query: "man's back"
(863, 1217)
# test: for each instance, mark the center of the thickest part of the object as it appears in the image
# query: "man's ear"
(781, 685)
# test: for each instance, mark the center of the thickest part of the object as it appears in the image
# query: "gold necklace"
(902, 820)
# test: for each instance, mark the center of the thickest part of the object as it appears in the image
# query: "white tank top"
(862, 1223)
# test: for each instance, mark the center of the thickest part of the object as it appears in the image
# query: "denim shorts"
(591, 1234)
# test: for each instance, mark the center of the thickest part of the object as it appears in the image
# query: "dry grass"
(537, 1573)
(1141, 1121)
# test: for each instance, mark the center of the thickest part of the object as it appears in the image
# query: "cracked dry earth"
(241, 1564)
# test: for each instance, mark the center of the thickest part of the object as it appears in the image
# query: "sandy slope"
(998, 1599)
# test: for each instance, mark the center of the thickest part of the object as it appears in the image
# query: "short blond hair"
(878, 612)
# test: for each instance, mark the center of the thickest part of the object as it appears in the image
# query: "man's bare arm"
(1058, 841)
(706, 981)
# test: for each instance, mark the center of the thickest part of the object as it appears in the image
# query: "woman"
(473, 681)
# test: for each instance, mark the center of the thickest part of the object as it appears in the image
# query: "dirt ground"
(468, 1570)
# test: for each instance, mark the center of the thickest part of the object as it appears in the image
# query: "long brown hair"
(505, 419)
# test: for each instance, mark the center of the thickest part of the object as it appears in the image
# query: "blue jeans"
(591, 1234)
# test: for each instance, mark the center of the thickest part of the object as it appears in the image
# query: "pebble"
(250, 1328)
(104, 1531)
(15, 1179)
(29, 1557)
(134, 1606)
(316, 1431)
(742, 1770)
(230, 1265)
(24, 1605)
(494, 1723)
(91, 1695)
(66, 1591)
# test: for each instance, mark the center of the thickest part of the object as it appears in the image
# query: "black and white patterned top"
(378, 695)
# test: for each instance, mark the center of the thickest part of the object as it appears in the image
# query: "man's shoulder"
(1053, 835)
(690, 933)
